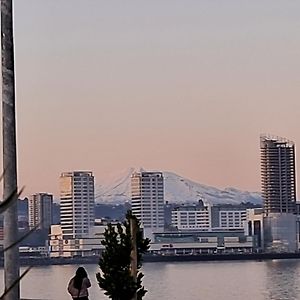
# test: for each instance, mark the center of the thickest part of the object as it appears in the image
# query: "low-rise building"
(280, 232)
(201, 242)
(228, 217)
(60, 246)
(205, 217)
(254, 225)
(192, 217)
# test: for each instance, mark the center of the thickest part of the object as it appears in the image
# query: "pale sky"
(185, 86)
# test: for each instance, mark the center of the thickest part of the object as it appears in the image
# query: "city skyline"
(159, 132)
(167, 87)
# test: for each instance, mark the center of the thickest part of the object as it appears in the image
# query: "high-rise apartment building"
(278, 175)
(147, 199)
(40, 211)
(77, 204)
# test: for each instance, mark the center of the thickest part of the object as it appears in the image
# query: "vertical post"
(133, 231)
(11, 256)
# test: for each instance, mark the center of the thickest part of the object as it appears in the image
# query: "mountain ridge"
(178, 189)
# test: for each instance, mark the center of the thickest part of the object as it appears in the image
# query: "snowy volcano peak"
(179, 189)
(116, 189)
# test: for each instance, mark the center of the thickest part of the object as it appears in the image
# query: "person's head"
(80, 274)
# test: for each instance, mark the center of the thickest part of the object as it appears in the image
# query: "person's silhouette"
(79, 284)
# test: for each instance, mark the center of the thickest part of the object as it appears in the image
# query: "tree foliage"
(115, 276)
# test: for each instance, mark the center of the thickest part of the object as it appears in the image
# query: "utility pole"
(133, 255)
(11, 256)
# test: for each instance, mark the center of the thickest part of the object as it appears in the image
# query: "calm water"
(183, 281)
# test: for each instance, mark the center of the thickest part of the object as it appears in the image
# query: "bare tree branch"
(15, 283)
(5, 204)
(22, 238)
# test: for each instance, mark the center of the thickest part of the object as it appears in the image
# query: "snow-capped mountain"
(178, 189)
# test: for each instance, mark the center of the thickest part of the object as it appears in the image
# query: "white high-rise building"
(147, 200)
(77, 204)
(40, 211)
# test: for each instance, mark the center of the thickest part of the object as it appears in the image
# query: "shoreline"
(220, 257)
(46, 261)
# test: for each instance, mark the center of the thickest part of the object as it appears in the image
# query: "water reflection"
(282, 280)
(265, 280)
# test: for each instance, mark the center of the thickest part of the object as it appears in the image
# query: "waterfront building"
(254, 225)
(56, 242)
(228, 216)
(206, 217)
(280, 232)
(185, 242)
(147, 200)
(33, 251)
(192, 217)
(278, 183)
(77, 204)
(202, 242)
(278, 175)
(59, 246)
(40, 211)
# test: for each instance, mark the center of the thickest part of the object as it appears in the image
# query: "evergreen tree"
(115, 264)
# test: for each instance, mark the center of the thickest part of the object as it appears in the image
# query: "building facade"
(191, 217)
(254, 226)
(206, 217)
(232, 219)
(202, 242)
(147, 200)
(278, 182)
(228, 217)
(280, 232)
(40, 211)
(278, 175)
(77, 204)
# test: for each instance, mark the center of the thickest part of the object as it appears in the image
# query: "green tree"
(115, 264)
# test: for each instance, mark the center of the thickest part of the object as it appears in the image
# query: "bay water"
(236, 280)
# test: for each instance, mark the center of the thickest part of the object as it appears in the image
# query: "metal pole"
(11, 256)
(133, 231)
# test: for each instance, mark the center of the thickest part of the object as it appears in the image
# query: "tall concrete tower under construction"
(278, 175)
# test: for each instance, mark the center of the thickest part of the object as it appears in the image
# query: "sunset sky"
(185, 86)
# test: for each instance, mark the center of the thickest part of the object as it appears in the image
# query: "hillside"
(178, 189)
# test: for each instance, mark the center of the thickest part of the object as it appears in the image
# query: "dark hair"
(80, 274)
